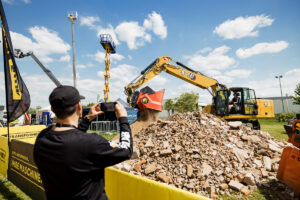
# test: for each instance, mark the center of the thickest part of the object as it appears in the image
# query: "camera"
(108, 107)
(109, 111)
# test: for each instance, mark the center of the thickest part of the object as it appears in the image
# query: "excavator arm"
(181, 71)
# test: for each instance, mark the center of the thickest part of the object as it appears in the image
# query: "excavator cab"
(236, 101)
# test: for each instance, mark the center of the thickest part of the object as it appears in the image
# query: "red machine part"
(152, 101)
(295, 138)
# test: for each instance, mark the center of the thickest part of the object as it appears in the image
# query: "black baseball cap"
(64, 96)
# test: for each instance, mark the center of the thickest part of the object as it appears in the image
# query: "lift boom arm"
(20, 54)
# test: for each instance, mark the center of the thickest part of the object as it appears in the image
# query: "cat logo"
(192, 76)
(145, 100)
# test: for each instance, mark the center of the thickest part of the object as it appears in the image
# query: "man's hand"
(94, 111)
(120, 110)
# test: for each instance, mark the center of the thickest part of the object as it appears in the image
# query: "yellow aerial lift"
(110, 48)
(247, 109)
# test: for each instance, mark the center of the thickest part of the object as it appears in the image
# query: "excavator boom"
(180, 71)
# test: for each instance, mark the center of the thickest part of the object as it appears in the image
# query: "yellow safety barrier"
(23, 132)
(22, 129)
(3, 156)
(124, 186)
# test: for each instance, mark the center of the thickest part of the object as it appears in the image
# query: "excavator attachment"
(150, 99)
(147, 99)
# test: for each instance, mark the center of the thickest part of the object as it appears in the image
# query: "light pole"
(73, 17)
(279, 77)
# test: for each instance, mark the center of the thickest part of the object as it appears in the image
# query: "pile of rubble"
(205, 155)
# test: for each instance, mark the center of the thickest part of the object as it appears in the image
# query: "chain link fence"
(104, 126)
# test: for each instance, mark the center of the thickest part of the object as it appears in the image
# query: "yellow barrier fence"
(120, 185)
(22, 132)
(3, 156)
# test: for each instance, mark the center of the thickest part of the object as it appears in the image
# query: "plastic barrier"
(22, 132)
(3, 156)
(124, 186)
(288, 171)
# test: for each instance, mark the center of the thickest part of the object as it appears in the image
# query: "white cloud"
(65, 58)
(46, 43)
(215, 60)
(134, 35)
(81, 66)
(224, 79)
(269, 87)
(9, 1)
(156, 23)
(243, 27)
(99, 57)
(130, 32)
(239, 73)
(89, 21)
(13, 1)
(262, 48)
(212, 73)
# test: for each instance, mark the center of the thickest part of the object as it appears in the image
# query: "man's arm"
(86, 120)
(106, 153)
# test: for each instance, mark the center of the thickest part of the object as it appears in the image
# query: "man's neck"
(72, 120)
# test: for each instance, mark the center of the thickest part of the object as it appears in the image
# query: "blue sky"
(239, 43)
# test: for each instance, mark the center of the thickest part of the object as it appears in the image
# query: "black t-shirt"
(72, 162)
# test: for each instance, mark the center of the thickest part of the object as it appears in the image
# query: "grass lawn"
(9, 191)
(274, 127)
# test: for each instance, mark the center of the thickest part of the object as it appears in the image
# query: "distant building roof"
(276, 98)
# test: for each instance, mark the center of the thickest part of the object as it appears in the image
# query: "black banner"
(17, 95)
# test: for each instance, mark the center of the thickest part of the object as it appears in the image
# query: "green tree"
(296, 98)
(38, 107)
(88, 105)
(31, 110)
(169, 105)
(187, 102)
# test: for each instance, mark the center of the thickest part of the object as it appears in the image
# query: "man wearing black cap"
(71, 162)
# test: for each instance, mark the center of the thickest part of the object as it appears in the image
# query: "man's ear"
(51, 109)
(79, 106)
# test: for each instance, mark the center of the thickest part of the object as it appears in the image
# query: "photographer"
(71, 162)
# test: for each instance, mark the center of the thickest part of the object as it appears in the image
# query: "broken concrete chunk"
(163, 177)
(150, 169)
(267, 163)
(149, 143)
(189, 171)
(177, 148)
(235, 185)
(235, 124)
(165, 152)
(249, 179)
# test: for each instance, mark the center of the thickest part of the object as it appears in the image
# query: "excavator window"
(250, 106)
(221, 102)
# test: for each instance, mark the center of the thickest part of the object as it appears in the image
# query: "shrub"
(285, 117)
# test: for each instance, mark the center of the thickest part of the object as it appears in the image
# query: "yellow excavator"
(233, 104)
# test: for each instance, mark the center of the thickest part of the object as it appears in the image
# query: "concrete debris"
(249, 179)
(267, 163)
(235, 185)
(203, 154)
(235, 124)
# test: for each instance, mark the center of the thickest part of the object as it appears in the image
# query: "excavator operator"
(234, 104)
